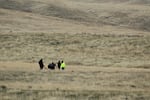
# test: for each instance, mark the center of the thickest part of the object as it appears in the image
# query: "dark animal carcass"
(51, 66)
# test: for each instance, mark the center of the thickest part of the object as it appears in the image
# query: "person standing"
(59, 64)
(41, 64)
(63, 65)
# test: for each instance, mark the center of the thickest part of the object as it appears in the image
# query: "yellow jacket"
(63, 65)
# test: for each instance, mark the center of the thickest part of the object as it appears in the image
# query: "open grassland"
(99, 66)
(24, 81)
(105, 44)
(82, 49)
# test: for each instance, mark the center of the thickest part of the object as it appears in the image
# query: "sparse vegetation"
(105, 44)
(134, 14)
(93, 83)
(82, 49)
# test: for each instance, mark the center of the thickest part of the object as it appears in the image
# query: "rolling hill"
(132, 14)
(105, 44)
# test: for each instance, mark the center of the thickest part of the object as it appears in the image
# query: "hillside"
(104, 43)
(113, 33)
(132, 14)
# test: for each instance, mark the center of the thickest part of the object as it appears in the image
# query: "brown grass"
(82, 49)
(121, 14)
(98, 66)
(25, 81)
(105, 44)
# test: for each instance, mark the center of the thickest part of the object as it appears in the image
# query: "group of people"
(52, 66)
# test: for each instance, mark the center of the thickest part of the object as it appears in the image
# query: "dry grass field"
(24, 81)
(105, 44)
